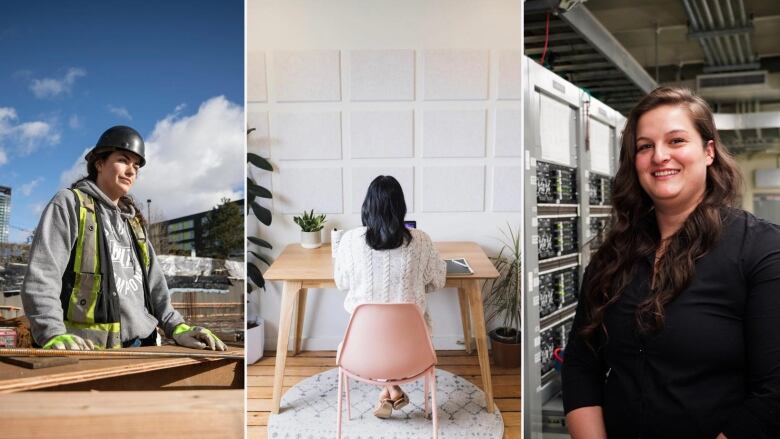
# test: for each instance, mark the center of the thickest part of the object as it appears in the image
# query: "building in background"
(5, 213)
(185, 234)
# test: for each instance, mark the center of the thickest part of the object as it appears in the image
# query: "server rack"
(570, 158)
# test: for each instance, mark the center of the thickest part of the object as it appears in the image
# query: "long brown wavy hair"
(92, 174)
(634, 231)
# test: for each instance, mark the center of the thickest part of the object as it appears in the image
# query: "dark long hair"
(92, 174)
(634, 231)
(383, 214)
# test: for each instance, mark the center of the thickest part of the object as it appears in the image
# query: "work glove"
(69, 342)
(197, 337)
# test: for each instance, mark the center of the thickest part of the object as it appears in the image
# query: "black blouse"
(714, 367)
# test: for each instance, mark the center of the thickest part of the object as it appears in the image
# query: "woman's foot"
(384, 408)
(398, 397)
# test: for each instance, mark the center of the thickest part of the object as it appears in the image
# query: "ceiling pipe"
(695, 26)
(697, 15)
(711, 25)
(726, 39)
(743, 16)
(736, 38)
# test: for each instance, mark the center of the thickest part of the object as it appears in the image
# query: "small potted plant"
(310, 225)
(502, 301)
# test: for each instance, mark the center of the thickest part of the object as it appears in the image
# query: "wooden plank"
(258, 432)
(14, 379)
(257, 418)
(156, 414)
(39, 362)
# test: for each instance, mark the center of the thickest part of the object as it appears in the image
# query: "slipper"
(401, 402)
(384, 409)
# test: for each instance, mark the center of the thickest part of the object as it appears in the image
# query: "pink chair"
(387, 344)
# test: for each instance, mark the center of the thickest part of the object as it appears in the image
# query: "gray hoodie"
(54, 240)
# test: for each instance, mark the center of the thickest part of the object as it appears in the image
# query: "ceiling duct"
(737, 79)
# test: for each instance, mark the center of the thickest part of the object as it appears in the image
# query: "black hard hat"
(120, 137)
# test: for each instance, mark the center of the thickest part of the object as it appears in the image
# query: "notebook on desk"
(458, 267)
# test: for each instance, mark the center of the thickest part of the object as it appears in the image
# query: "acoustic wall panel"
(456, 74)
(509, 136)
(256, 87)
(509, 75)
(454, 133)
(507, 196)
(306, 136)
(309, 188)
(258, 141)
(382, 75)
(363, 176)
(307, 76)
(382, 134)
(453, 189)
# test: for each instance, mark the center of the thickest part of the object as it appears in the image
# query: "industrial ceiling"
(728, 51)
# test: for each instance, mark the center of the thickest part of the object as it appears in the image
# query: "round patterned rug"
(308, 411)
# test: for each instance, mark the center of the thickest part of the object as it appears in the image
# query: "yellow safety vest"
(90, 310)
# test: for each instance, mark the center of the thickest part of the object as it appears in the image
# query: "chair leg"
(349, 405)
(434, 408)
(338, 407)
(427, 387)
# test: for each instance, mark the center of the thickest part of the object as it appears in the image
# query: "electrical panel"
(557, 237)
(571, 146)
(555, 184)
(600, 190)
(558, 289)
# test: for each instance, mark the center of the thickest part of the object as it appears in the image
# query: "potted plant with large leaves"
(255, 326)
(502, 301)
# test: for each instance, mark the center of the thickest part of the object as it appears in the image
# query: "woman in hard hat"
(675, 334)
(410, 264)
(94, 281)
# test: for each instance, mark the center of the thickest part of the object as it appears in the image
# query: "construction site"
(40, 388)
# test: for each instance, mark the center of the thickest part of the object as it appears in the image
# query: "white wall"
(426, 91)
(748, 166)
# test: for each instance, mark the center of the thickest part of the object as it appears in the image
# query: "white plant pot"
(255, 338)
(311, 239)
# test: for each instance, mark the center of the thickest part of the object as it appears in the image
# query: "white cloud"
(74, 122)
(53, 87)
(37, 208)
(27, 137)
(120, 112)
(27, 188)
(191, 161)
(77, 170)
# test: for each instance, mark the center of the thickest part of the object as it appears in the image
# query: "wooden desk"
(301, 269)
(129, 374)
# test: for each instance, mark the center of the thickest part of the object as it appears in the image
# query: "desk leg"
(474, 295)
(300, 312)
(289, 294)
(465, 319)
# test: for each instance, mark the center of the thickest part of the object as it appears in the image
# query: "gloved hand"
(69, 342)
(197, 337)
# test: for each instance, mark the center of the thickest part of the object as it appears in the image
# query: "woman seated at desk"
(384, 262)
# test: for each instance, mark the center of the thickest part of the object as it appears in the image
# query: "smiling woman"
(94, 280)
(675, 332)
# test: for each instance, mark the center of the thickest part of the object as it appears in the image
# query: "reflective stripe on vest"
(103, 335)
(86, 264)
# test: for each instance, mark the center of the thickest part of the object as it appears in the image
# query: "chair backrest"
(387, 341)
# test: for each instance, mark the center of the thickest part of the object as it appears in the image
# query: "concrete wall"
(345, 90)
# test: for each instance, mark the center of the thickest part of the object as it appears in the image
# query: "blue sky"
(173, 70)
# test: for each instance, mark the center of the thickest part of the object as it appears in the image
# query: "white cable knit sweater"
(404, 274)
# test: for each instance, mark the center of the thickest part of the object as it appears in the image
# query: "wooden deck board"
(506, 385)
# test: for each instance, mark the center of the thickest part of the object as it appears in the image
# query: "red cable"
(546, 37)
